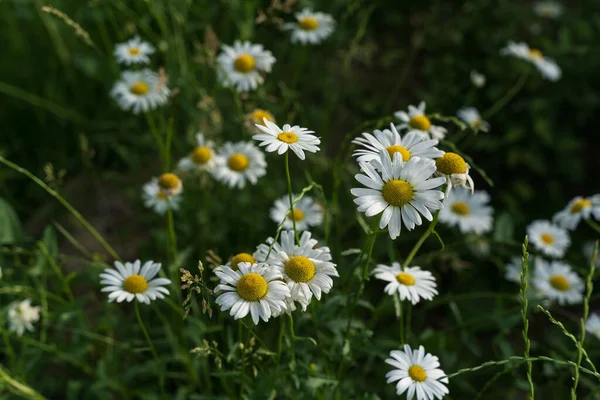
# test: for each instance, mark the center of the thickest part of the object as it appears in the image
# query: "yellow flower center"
(405, 279)
(420, 122)
(139, 88)
(547, 238)
(580, 205)
(135, 284)
(308, 24)
(398, 149)
(168, 181)
(258, 115)
(559, 282)
(242, 257)
(298, 215)
(134, 51)
(300, 269)
(460, 208)
(451, 163)
(397, 192)
(417, 373)
(288, 137)
(535, 53)
(238, 162)
(244, 63)
(477, 123)
(201, 155)
(252, 287)
(162, 195)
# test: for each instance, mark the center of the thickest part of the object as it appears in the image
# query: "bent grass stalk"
(523, 295)
(508, 96)
(161, 380)
(422, 239)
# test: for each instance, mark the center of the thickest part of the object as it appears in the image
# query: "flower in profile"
(401, 191)
(548, 9)
(556, 281)
(472, 117)
(264, 250)
(592, 325)
(287, 138)
(416, 120)
(470, 212)
(578, 208)
(548, 68)
(477, 79)
(243, 64)
(256, 117)
(256, 289)
(588, 253)
(132, 280)
(307, 212)
(140, 91)
(22, 316)
(133, 51)
(411, 283)
(158, 200)
(417, 374)
(202, 158)
(548, 238)
(311, 27)
(239, 162)
(456, 171)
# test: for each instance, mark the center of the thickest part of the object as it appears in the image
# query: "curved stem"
(595, 226)
(508, 96)
(151, 344)
(289, 183)
(424, 237)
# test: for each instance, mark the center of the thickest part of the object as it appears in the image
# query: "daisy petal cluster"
(592, 325)
(238, 163)
(415, 119)
(140, 91)
(163, 193)
(201, 158)
(134, 281)
(471, 116)
(307, 213)
(557, 282)
(456, 171)
(470, 212)
(243, 65)
(547, 67)
(411, 283)
(310, 27)
(134, 51)
(577, 209)
(22, 316)
(287, 138)
(548, 238)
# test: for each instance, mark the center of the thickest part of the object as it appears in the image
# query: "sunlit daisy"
(411, 283)
(418, 374)
(548, 9)
(456, 171)
(470, 212)
(243, 64)
(288, 137)
(578, 208)
(132, 280)
(256, 289)
(311, 27)
(550, 239)
(140, 91)
(240, 162)
(556, 281)
(416, 120)
(477, 79)
(133, 51)
(548, 68)
(592, 325)
(402, 191)
(588, 252)
(22, 316)
(472, 117)
(257, 117)
(306, 213)
(202, 158)
(159, 201)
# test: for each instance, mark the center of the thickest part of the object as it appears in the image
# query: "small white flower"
(550, 239)
(243, 64)
(240, 162)
(289, 137)
(254, 288)
(159, 201)
(132, 280)
(418, 374)
(202, 158)
(411, 283)
(472, 117)
(556, 281)
(416, 120)
(140, 91)
(578, 208)
(307, 212)
(588, 252)
(548, 9)
(548, 68)
(593, 325)
(133, 51)
(469, 211)
(22, 316)
(311, 27)
(456, 171)
(477, 79)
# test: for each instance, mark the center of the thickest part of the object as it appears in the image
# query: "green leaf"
(10, 226)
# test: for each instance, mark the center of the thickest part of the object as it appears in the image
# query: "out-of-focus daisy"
(159, 201)
(170, 184)
(257, 117)
(22, 316)
(140, 91)
(469, 211)
(480, 246)
(311, 27)
(472, 117)
(307, 212)
(588, 252)
(416, 120)
(236, 260)
(578, 208)
(202, 158)
(456, 171)
(243, 64)
(418, 374)
(288, 137)
(513, 270)
(411, 283)
(592, 325)
(548, 68)
(240, 162)
(133, 51)
(402, 191)
(548, 9)
(477, 79)
(257, 289)
(132, 280)
(556, 281)
(548, 238)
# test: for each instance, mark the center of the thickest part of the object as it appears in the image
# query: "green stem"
(65, 284)
(280, 343)
(508, 96)
(524, 301)
(19, 387)
(157, 138)
(594, 225)
(242, 355)
(289, 184)
(424, 237)
(167, 166)
(172, 242)
(407, 318)
(401, 320)
(151, 344)
(292, 341)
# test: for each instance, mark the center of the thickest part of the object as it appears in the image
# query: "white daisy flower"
(477, 79)
(289, 137)
(311, 27)
(472, 117)
(402, 191)
(578, 208)
(548, 68)
(132, 280)
(243, 64)
(254, 288)
(548, 238)
(240, 162)
(548, 9)
(133, 51)
(411, 283)
(592, 325)
(588, 252)
(140, 91)
(202, 158)
(290, 305)
(416, 120)
(456, 171)
(22, 316)
(513, 270)
(470, 212)
(159, 201)
(556, 281)
(257, 117)
(417, 374)
(307, 212)
(262, 253)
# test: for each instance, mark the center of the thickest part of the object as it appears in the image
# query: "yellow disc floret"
(559, 282)
(300, 269)
(417, 373)
(238, 162)
(242, 257)
(135, 284)
(201, 155)
(536, 53)
(244, 63)
(420, 122)
(405, 279)
(547, 238)
(134, 51)
(139, 88)
(297, 216)
(460, 208)
(288, 137)
(397, 192)
(252, 287)
(580, 205)
(398, 149)
(258, 115)
(169, 181)
(450, 164)
(308, 24)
